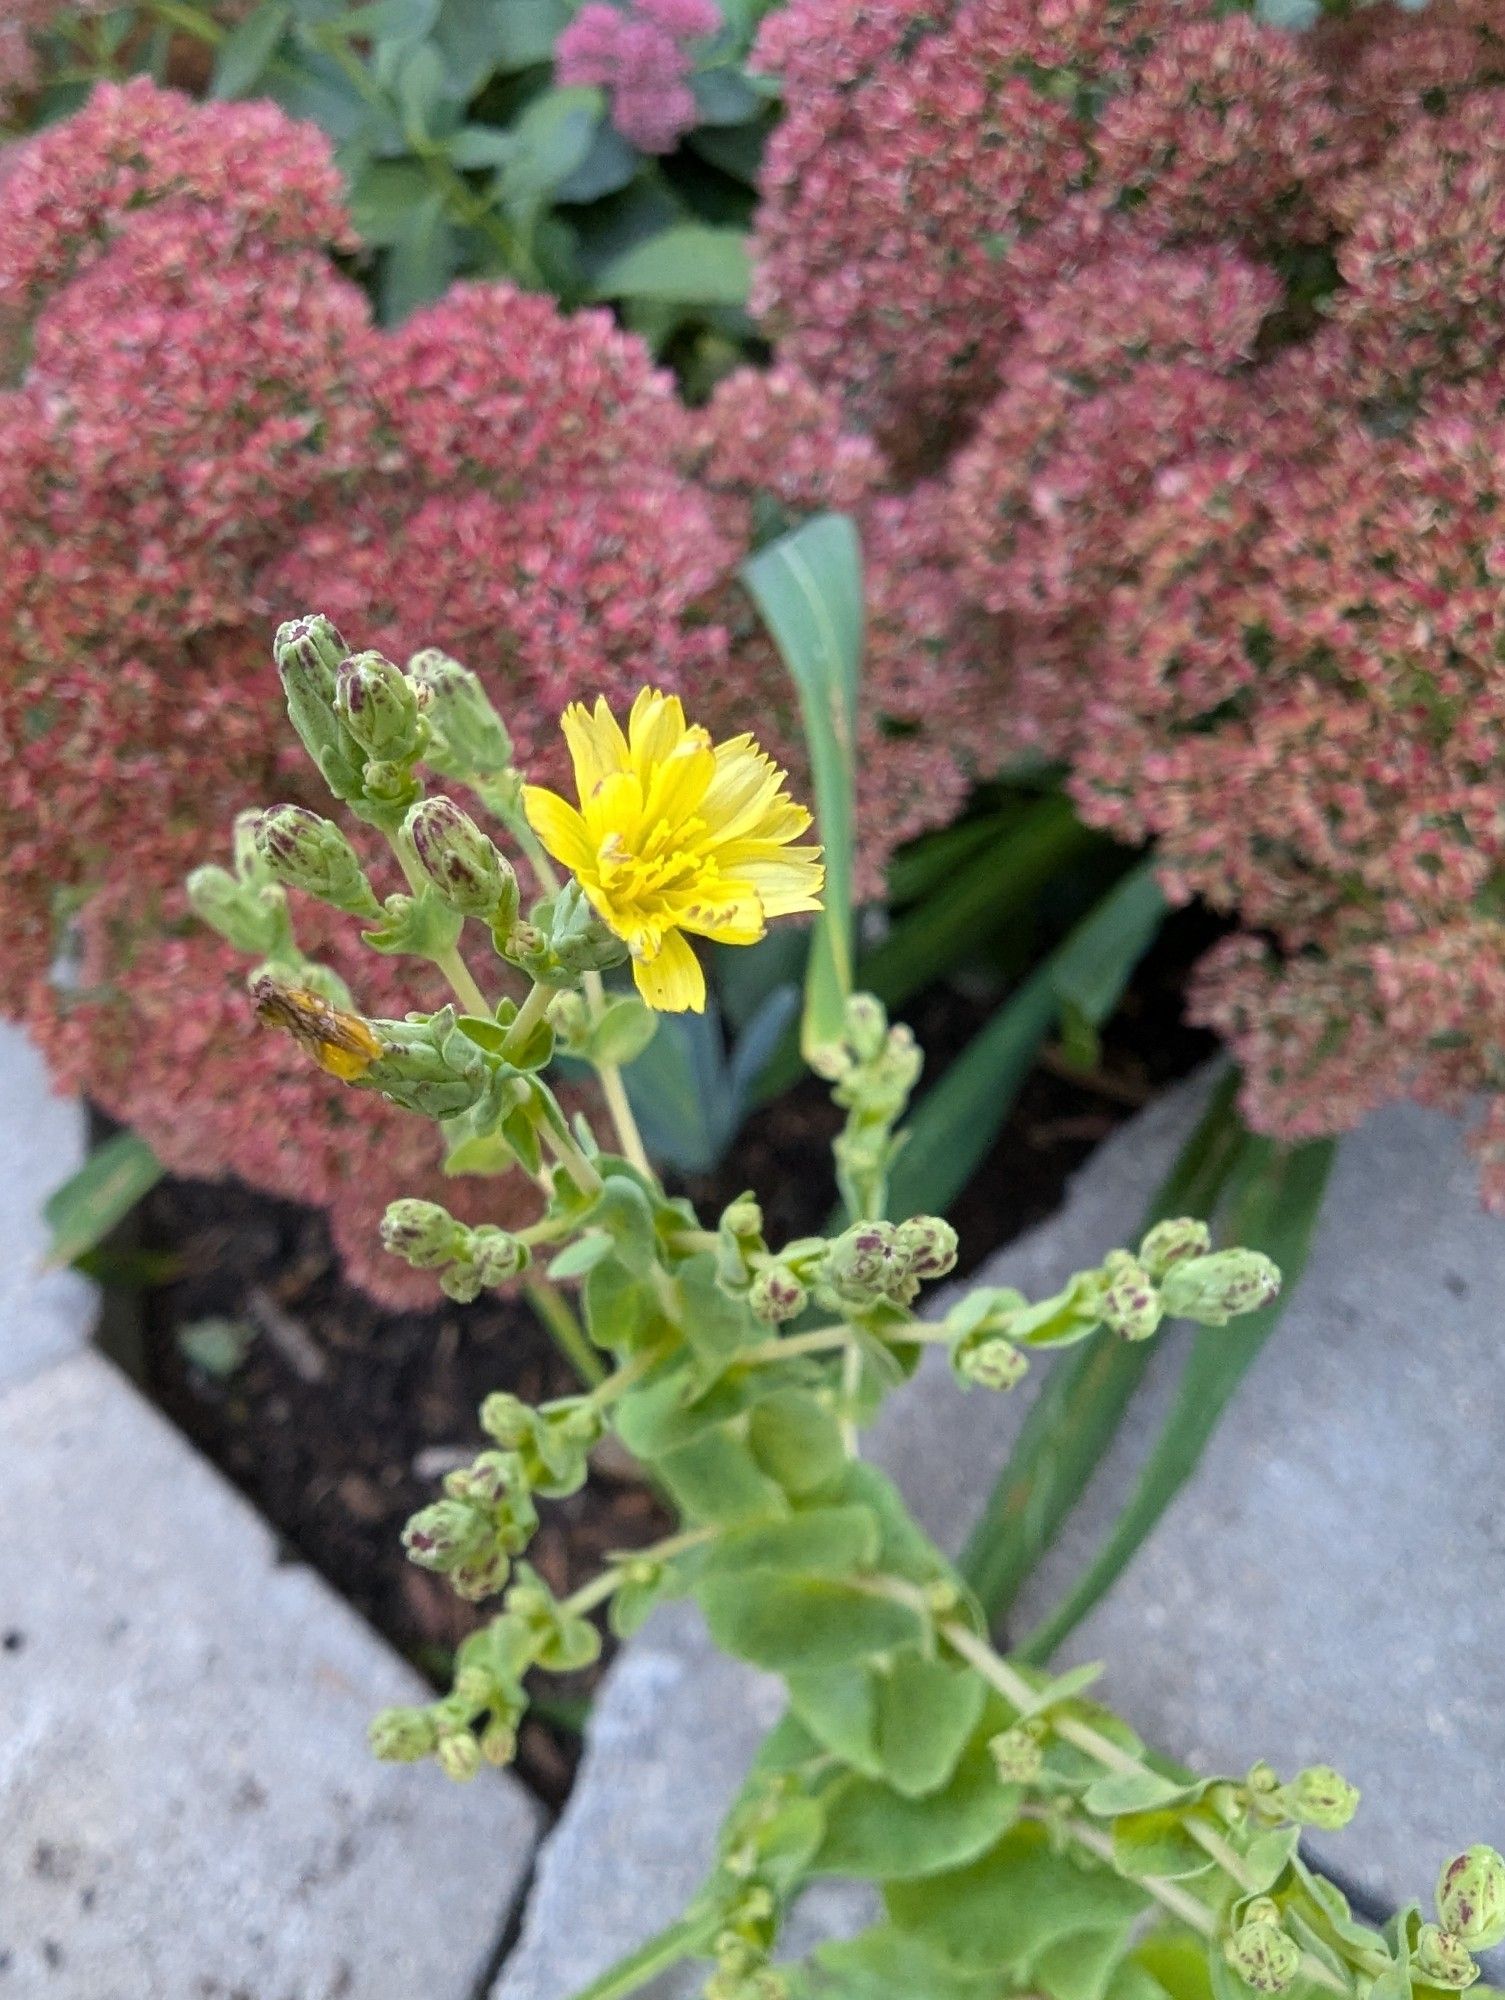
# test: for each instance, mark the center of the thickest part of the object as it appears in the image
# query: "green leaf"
(476, 147)
(885, 1964)
(1077, 1413)
(821, 1541)
(795, 1624)
(796, 1440)
(807, 587)
(423, 257)
(692, 263)
(1159, 1844)
(1276, 1203)
(1092, 968)
(91, 1202)
(554, 133)
(879, 1835)
(714, 1480)
(903, 1720)
(608, 167)
(1007, 1910)
(386, 21)
(953, 1127)
(248, 48)
(383, 196)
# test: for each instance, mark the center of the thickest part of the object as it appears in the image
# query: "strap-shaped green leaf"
(89, 1204)
(808, 588)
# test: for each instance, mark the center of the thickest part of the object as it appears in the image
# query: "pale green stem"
(851, 1382)
(450, 963)
(565, 1330)
(821, 1339)
(611, 1580)
(1016, 1690)
(615, 1091)
(528, 1017)
(574, 1162)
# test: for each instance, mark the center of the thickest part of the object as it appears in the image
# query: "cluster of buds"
(360, 719)
(1470, 1917)
(1261, 1951)
(1318, 1797)
(872, 1268)
(476, 1723)
(551, 1443)
(1175, 1274)
(246, 904)
(485, 1519)
(469, 1260)
(873, 1068)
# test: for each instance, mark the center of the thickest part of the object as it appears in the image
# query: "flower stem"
(1016, 1690)
(615, 1091)
(528, 1017)
(685, 1939)
(565, 1330)
(589, 1595)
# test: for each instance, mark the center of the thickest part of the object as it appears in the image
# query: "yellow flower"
(675, 834)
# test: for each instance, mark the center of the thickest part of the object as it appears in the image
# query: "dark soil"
(338, 1419)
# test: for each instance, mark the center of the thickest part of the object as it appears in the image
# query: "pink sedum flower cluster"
(201, 430)
(641, 54)
(1186, 337)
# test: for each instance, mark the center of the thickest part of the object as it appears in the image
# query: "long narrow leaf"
(953, 1129)
(1275, 1210)
(808, 588)
(1074, 1418)
(82, 1212)
(983, 893)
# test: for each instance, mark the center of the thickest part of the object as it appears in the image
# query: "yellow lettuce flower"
(675, 834)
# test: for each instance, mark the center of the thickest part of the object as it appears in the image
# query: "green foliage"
(98, 1197)
(808, 588)
(1021, 1837)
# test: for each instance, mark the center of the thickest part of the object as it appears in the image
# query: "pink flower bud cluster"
(641, 54)
(1192, 333)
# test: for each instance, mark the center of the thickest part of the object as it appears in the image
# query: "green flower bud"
(467, 738)
(499, 1742)
(865, 1022)
(402, 1735)
(312, 648)
(483, 1576)
(495, 1255)
(306, 852)
(1263, 1956)
(443, 1534)
(250, 916)
(1215, 1289)
(1018, 1756)
(570, 1016)
(309, 653)
(1442, 1959)
(1321, 1797)
(743, 1219)
(989, 1362)
(422, 1233)
(1471, 1898)
(464, 864)
(776, 1295)
(928, 1245)
(1172, 1242)
(1131, 1307)
(864, 1265)
(380, 707)
(459, 1756)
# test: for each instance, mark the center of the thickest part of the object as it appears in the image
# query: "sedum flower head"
(675, 835)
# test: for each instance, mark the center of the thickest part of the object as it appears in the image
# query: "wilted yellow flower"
(341, 1043)
(675, 834)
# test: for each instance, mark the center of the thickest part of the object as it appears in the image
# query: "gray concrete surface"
(190, 1811)
(43, 1314)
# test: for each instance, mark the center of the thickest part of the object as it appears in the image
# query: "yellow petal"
(654, 728)
(786, 881)
(559, 827)
(672, 981)
(596, 744)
